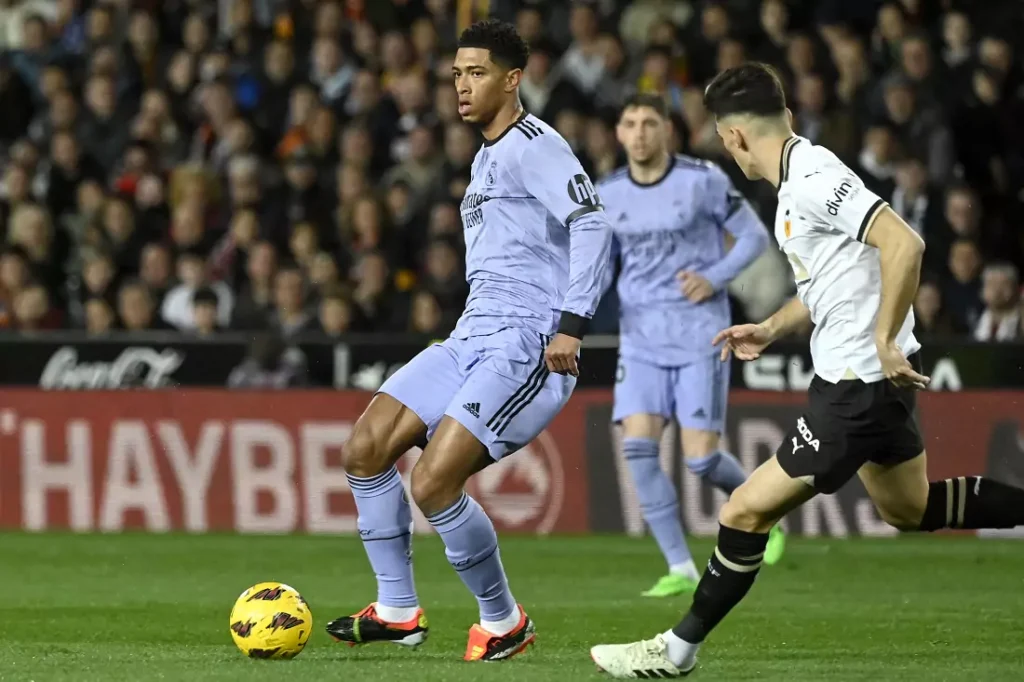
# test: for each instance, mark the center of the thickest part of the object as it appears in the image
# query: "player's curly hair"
(507, 47)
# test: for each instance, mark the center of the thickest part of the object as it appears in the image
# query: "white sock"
(679, 651)
(396, 614)
(503, 626)
(688, 570)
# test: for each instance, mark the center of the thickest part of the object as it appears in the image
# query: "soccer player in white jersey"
(857, 266)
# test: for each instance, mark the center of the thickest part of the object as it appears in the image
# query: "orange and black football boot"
(367, 627)
(485, 646)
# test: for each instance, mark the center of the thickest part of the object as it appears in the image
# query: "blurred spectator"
(832, 127)
(155, 271)
(204, 312)
(97, 281)
(426, 316)
(290, 316)
(99, 317)
(378, 304)
(335, 315)
(255, 299)
(32, 311)
(135, 309)
(1000, 292)
(192, 276)
(876, 161)
(963, 290)
(917, 203)
(583, 63)
(444, 279)
(269, 364)
(930, 315)
(921, 130)
(14, 276)
(542, 90)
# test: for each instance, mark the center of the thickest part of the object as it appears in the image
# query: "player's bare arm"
(900, 251)
(746, 341)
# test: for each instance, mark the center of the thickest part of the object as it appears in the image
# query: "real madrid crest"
(492, 174)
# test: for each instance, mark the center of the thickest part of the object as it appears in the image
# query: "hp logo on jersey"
(582, 191)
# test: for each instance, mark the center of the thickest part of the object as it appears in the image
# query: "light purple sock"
(472, 549)
(720, 469)
(385, 527)
(659, 501)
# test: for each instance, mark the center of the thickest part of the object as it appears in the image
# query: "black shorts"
(848, 424)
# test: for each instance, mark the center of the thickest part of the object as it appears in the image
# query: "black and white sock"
(731, 572)
(972, 502)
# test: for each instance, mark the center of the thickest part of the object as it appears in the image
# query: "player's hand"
(694, 287)
(898, 369)
(560, 356)
(745, 341)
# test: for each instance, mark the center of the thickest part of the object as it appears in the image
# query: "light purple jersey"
(674, 224)
(538, 242)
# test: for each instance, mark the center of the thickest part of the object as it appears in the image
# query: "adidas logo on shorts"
(473, 409)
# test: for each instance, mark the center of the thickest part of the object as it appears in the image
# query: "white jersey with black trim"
(824, 216)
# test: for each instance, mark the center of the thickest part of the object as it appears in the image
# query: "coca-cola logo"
(134, 367)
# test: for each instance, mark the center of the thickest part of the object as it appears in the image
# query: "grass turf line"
(149, 607)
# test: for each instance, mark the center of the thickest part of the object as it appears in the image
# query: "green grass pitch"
(148, 607)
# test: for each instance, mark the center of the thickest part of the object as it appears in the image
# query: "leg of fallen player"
(746, 519)
(471, 543)
(908, 501)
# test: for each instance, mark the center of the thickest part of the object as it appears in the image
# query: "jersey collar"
(668, 171)
(787, 152)
(520, 117)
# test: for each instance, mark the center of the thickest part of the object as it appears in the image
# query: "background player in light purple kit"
(537, 248)
(670, 215)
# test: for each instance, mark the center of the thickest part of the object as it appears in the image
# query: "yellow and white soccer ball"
(271, 620)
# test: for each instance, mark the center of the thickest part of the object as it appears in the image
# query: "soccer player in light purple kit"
(537, 248)
(670, 214)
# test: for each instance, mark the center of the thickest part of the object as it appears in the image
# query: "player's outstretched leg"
(754, 508)
(659, 503)
(471, 544)
(907, 500)
(382, 434)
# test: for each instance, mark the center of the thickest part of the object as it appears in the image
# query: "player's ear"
(512, 79)
(789, 117)
(619, 134)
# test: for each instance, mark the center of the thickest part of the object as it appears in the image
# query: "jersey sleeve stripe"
(582, 212)
(529, 134)
(530, 125)
(787, 151)
(869, 217)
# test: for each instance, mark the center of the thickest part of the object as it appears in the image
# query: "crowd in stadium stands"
(298, 166)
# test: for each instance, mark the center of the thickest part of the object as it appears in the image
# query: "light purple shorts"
(695, 393)
(496, 385)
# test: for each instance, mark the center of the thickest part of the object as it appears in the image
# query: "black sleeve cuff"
(573, 325)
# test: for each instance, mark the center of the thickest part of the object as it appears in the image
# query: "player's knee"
(363, 452)
(905, 516)
(739, 514)
(431, 490)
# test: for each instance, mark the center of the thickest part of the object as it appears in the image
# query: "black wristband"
(573, 325)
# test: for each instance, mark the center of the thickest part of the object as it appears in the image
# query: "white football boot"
(646, 660)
